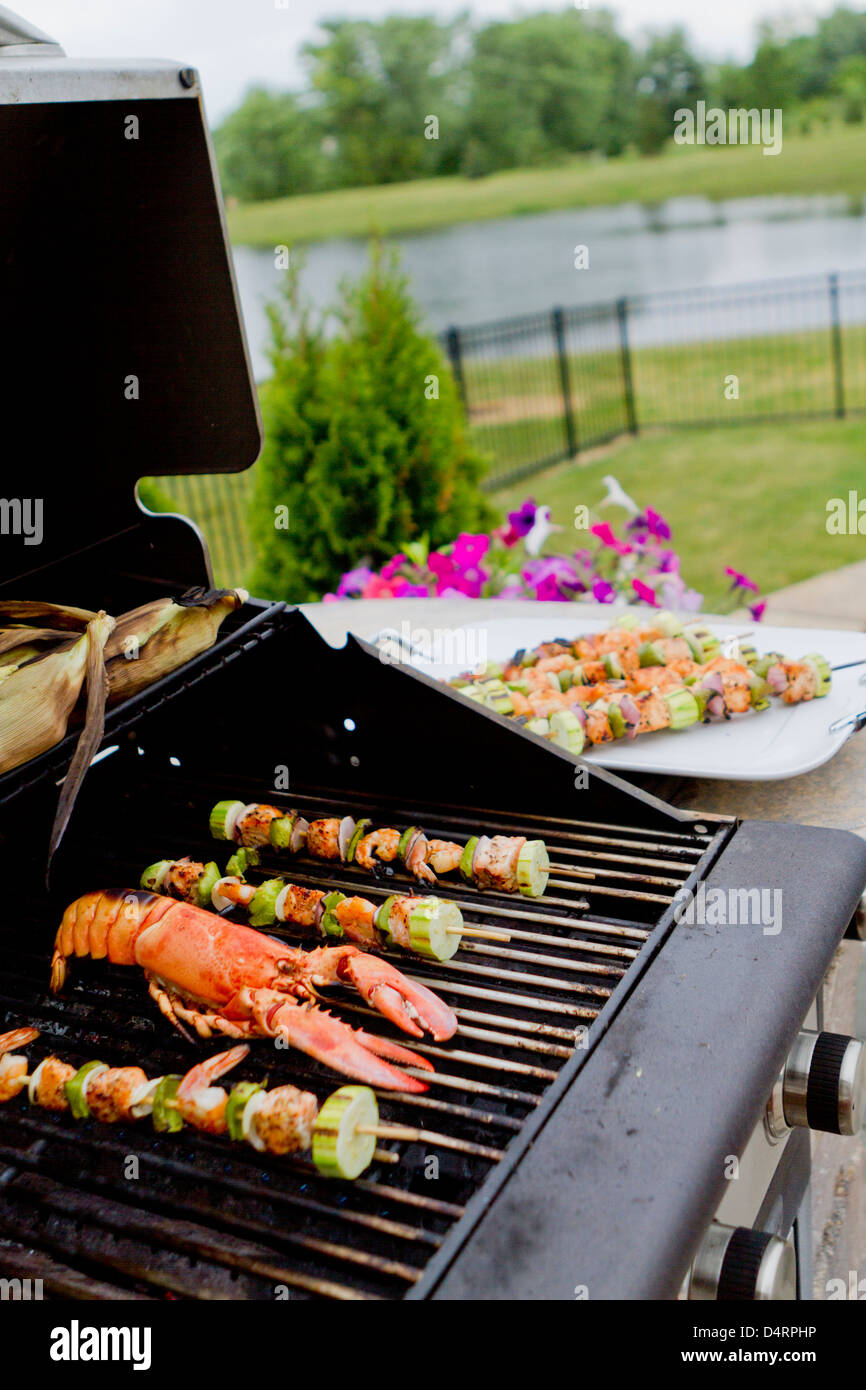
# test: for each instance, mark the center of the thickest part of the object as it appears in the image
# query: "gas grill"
(609, 1060)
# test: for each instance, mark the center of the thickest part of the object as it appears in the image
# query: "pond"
(481, 271)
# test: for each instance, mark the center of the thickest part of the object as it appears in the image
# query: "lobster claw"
(410, 1005)
(331, 1041)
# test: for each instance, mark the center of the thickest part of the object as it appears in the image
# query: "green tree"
(378, 83)
(359, 447)
(269, 147)
(545, 86)
(670, 78)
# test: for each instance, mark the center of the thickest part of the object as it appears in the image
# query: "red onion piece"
(777, 679)
(347, 830)
(482, 847)
(579, 713)
(716, 706)
(299, 835)
(631, 714)
(713, 681)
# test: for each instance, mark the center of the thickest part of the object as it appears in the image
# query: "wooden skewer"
(426, 1136)
(481, 933)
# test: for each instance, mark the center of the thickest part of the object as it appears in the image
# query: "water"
(480, 271)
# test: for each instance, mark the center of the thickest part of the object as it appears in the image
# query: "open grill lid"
(123, 353)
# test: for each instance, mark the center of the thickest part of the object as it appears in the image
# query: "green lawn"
(754, 497)
(826, 161)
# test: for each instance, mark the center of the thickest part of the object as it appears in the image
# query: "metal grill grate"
(204, 1219)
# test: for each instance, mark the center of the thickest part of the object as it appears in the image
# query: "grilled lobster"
(221, 977)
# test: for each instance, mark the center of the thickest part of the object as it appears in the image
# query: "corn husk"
(96, 680)
(44, 615)
(38, 696)
(151, 641)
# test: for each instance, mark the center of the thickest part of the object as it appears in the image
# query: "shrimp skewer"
(280, 1121)
(350, 841)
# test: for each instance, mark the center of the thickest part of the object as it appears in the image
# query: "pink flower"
(603, 530)
(741, 581)
(449, 578)
(757, 610)
(603, 592)
(644, 592)
(388, 571)
(406, 590)
(468, 551)
(507, 535)
(378, 588)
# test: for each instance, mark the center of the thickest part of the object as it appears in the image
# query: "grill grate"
(204, 1219)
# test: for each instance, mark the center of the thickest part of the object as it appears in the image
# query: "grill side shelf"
(622, 1180)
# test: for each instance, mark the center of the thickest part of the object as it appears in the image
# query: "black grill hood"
(123, 353)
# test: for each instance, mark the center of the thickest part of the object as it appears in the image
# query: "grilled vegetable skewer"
(432, 927)
(281, 1121)
(510, 864)
(609, 683)
(341, 1133)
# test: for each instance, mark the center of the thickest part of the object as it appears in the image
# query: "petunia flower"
(757, 610)
(603, 530)
(406, 590)
(468, 551)
(603, 592)
(645, 593)
(376, 587)
(523, 520)
(353, 581)
(388, 571)
(741, 581)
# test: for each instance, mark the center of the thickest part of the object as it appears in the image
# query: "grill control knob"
(737, 1264)
(821, 1086)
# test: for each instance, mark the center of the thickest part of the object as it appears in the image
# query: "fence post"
(625, 357)
(558, 319)
(452, 344)
(836, 339)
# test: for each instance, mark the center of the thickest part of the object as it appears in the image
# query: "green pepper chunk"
(166, 1116)
(75, 1092)
(237, 1104)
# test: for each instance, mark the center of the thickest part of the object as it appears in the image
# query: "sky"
(235, 43)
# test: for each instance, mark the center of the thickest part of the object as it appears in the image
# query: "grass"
(825, 161)
(753, 497)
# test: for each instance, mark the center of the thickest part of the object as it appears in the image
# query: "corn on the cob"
(151, 641)
(37, 697)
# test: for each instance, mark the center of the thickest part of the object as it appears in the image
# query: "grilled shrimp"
(443, 856)
(380, 846)
(13, 1069)
(200, 1103)
(495, 862)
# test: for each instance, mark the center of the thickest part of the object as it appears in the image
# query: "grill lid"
(123, 353)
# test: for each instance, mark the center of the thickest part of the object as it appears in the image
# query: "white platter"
(784, 741)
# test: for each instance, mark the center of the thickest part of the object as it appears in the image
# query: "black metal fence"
(541, 388)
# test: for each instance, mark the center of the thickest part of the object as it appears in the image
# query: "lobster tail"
(102, 925)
